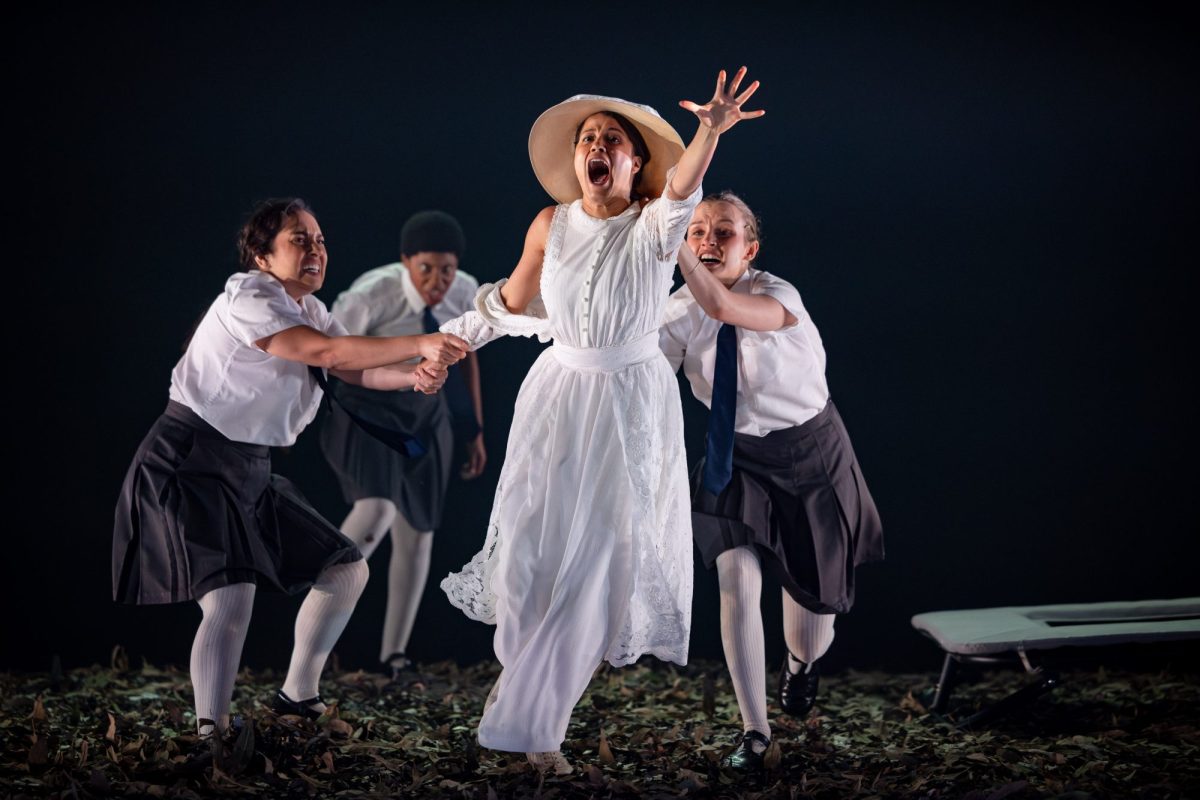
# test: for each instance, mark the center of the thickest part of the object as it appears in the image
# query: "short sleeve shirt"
(384, 302)
(241, 390)
(781, 373)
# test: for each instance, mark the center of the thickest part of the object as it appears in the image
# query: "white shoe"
(550, 762)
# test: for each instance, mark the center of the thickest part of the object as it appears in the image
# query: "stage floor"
(644, 731)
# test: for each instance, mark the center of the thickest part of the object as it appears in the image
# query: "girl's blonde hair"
(753, 224)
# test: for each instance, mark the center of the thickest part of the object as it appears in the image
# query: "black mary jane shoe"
(282, 704)
(798, 692)
(744, 757)
(206, 750)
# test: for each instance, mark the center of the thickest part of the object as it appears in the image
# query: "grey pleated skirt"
(798, 497)
(366, 467)
(198, 511)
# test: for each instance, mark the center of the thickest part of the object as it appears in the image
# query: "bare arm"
(476, 452)
(754, 312)
(716, 116)
(425, 377)
(390, 377)
(316, 349)
(525, 281)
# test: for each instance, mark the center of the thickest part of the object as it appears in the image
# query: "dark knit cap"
(432, 232)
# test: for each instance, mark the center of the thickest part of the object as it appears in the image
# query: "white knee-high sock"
(740, 577)
(407, 572)
(808, 634)
(217, 650)
(368, 522)
(323, 615)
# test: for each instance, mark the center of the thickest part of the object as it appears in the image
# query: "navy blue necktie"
(458, 398)
(718, 448)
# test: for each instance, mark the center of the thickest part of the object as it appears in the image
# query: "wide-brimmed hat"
(552, 152)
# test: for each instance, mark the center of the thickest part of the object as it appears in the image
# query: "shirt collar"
(743, 284)
(415, 301)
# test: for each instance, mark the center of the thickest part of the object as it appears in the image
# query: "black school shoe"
(798, 693)
(207, 750)
(744, 757)
(282, 704)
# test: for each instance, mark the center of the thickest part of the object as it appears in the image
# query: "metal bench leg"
(945, 685)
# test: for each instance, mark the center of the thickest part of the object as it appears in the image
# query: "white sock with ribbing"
(216, 652)
(408, 570)
(740, 578)
(808, 634)
(368, 522)
(323, 616)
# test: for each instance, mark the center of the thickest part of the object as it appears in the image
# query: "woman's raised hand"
(444, 348)
(725, 109)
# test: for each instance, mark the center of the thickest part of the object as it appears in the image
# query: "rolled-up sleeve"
(259, 307)
(489, 319)
(665, 221)
(783, 292)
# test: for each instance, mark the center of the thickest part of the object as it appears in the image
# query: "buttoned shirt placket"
(585, 337)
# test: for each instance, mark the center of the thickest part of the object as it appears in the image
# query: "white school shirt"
(781, 373)
(244, 392)
(384, 302)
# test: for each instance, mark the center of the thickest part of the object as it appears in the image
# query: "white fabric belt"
(607, 359)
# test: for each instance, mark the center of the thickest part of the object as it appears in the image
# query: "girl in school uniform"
(200, 517)
(387, 490)
(779, 486)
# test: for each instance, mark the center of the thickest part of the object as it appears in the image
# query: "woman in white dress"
(588, 552)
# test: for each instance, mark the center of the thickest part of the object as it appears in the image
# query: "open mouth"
(710, 261)
(598, 171)
(310, 269)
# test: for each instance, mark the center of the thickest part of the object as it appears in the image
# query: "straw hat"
(553, 153)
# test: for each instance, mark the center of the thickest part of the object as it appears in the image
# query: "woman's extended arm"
(316, 349)
(424, 377)
(716, 116)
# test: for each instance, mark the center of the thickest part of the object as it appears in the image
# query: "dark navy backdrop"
(983, 208)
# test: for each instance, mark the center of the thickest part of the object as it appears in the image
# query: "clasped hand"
(438, 351)
(429, 377)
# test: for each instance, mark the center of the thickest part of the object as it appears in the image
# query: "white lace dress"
(588, 555)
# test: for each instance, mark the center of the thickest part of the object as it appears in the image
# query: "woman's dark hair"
(258, 232)
(635, 138)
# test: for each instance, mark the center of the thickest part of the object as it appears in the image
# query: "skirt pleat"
(198, 511)
(797, 496)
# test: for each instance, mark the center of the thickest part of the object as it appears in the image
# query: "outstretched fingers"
(737, 80)
(725, 108)
(744, 96)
